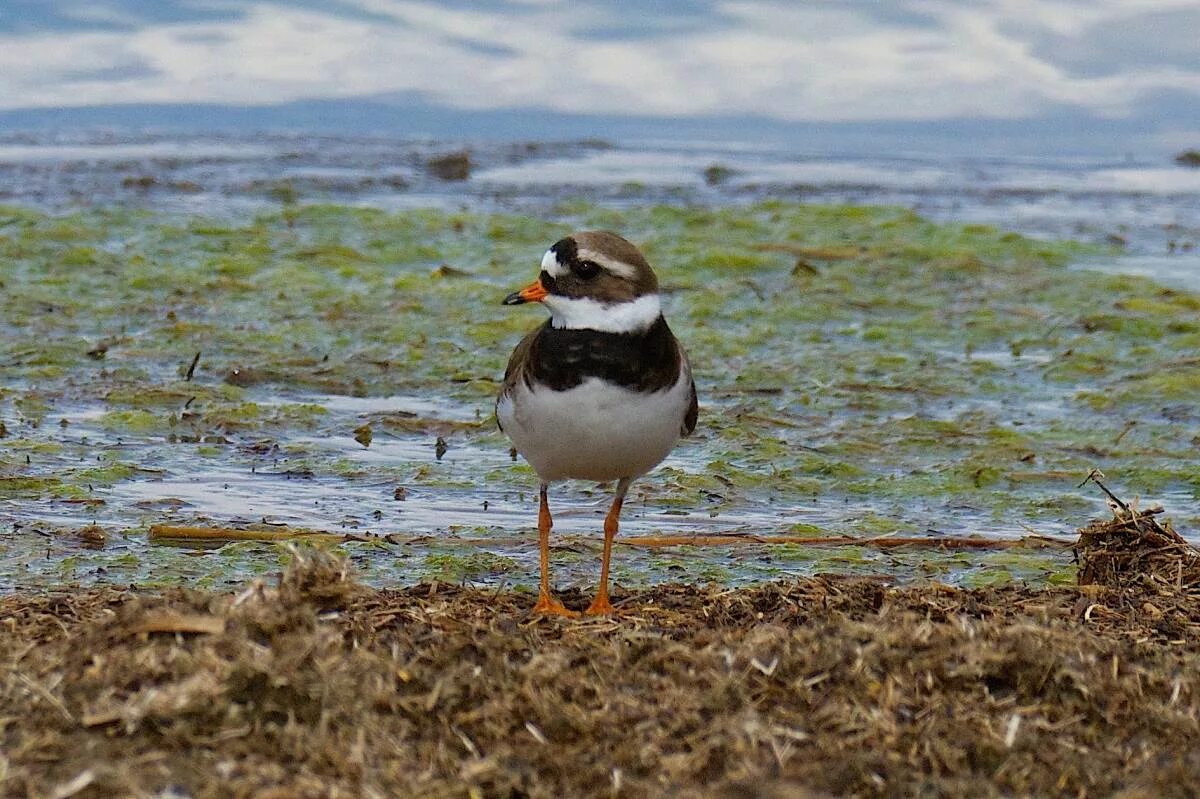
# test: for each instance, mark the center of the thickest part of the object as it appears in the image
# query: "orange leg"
(600, 605)
(547, 604)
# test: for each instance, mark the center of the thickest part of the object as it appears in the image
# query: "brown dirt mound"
(321, 688)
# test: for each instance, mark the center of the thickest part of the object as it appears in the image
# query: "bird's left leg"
(547, 604)
(600, 605)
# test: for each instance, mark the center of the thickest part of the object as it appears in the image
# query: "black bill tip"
(514, 299)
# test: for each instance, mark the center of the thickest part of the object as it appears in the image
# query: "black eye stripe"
(585, 269)
(547, 281)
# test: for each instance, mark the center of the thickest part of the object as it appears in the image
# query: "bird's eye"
(585, 269)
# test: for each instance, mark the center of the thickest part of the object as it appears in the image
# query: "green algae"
(18, 485)
(466, 567)
(134, 421)
(107, 474)
(171, 395)
(953, 377)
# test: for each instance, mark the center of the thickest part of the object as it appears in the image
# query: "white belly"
(594, 431)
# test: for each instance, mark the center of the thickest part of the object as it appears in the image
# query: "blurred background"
(1112, 77)
(1053, 118)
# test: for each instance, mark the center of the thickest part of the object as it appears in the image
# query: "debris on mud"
(1135, 549)
(93, 536)
(320, 687)
(452, 166)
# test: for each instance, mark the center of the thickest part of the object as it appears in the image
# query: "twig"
(878, 542)
(41, 690)
(167, 621)
(1094, 476)
(164, 532)
(1136, 516)
(191, 370)
(168, 533)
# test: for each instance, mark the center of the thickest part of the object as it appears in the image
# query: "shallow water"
(1149, 204)
(1181, 271)
(877, 408)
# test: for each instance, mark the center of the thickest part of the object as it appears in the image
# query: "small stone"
(363, 435)
(452, 166)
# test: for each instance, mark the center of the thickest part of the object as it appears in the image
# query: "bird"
(601, 391)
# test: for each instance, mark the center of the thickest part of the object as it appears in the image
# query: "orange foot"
(600, 606)
(549, 606)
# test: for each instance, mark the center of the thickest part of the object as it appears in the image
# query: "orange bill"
(534, 292)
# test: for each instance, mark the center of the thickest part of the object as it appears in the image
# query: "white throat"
(583, 313)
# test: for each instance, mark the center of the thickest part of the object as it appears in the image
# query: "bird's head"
(595, 280)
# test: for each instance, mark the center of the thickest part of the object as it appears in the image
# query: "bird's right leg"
(547, 604)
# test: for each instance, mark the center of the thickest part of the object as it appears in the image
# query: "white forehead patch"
(551, 265)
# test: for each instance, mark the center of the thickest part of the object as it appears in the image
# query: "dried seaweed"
(315, 686)
(1134, 550)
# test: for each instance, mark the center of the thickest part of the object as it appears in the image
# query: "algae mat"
(863, 372)
(320, 687)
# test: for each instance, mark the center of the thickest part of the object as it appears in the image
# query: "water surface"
(881, 377)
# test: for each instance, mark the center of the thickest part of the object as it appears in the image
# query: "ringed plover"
(602, 390)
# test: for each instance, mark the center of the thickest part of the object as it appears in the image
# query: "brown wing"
(517, 364)
(689, 419)
(693, 411)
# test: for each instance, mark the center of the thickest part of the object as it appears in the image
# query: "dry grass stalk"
(1134, 550)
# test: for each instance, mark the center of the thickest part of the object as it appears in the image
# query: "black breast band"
(644, 361)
